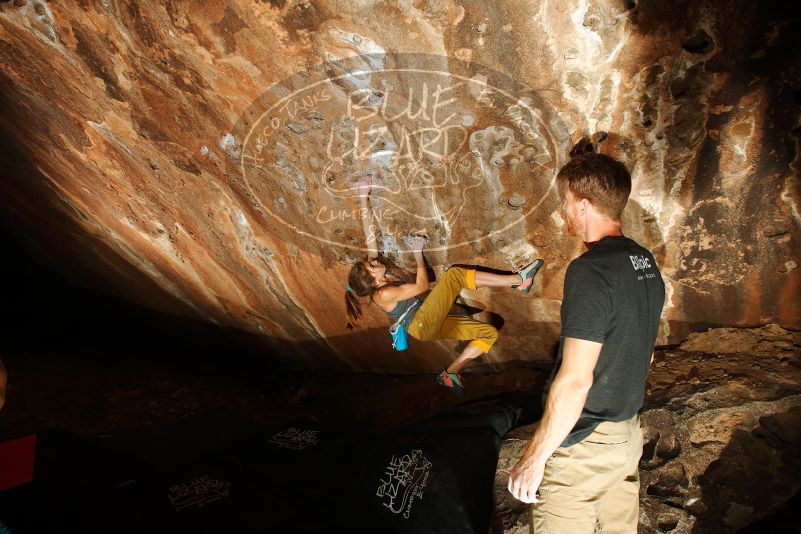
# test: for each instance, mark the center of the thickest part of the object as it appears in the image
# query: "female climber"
(426, 316)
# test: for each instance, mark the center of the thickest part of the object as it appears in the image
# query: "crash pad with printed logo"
(220, 472)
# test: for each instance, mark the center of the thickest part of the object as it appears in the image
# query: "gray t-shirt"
(613, 295)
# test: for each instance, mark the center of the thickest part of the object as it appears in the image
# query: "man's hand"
(525, 479)
(563, 406)
(365, 184)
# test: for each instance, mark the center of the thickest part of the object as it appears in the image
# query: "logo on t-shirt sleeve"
(642, 263)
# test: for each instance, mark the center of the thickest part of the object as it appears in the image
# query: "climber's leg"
(485, 279)
(482, 336)
(522, 280)
(428, 319)
(470, 352)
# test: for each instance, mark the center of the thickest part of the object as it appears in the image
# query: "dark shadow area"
(756, 472)
(784, 520)
(45, 312)
(220, 472)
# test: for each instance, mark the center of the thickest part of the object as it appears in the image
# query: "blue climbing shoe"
(527, 275)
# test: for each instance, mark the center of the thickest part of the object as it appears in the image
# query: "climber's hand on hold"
(365, 184)
(416, 242)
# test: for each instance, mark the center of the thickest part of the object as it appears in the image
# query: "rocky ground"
(722, 424)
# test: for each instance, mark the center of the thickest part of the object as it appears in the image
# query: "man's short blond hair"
(603, 180)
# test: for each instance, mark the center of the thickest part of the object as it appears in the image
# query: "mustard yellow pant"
(431, 320)
(594, 485)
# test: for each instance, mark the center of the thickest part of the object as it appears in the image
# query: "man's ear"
(587, 205)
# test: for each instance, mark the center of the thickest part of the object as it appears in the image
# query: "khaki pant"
(594, 485)
(431, 320)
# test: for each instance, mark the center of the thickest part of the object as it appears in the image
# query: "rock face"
(722, 432)
(200, 157)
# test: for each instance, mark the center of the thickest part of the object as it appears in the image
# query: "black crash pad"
(218, 472)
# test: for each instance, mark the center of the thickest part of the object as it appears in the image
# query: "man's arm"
(562, 409)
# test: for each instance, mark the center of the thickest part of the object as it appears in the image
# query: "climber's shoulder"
(385, 297)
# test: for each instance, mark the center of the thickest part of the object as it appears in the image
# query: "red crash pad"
(16, 461)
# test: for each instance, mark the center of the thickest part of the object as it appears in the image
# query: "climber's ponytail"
(360, 284)
(353, 308)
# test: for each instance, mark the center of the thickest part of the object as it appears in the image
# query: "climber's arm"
(390, 294)
(370, 229)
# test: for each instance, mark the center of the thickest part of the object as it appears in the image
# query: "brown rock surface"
(143, 153)
(722, 436)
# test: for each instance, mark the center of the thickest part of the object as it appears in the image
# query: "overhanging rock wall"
(200, 157)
